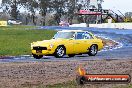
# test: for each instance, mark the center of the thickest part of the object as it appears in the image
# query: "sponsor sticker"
(3, 23)
(83, 78)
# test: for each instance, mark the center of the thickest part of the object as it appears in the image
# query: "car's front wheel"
(37, 56)
(60, 51)
(93, 50)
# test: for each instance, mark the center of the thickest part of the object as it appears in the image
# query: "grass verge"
(73, 84)
(16, 41)
(70, 84)
(126, 86)
(10, 27)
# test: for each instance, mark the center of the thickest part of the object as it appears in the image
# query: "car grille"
(39, 48)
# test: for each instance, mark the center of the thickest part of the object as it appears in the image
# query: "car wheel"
(37, 56)
(71, 55)
(60, 51)
(93, 50)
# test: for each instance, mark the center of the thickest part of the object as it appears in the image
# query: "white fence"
(78, 25)
(113, 25)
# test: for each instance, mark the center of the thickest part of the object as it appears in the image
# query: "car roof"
(71, 31)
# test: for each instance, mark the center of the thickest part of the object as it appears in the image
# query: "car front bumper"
(43, 52)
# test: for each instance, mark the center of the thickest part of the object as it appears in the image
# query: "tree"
(11, 6)
(14, 12)
(128, 14)
(58, 7)
(71, 7)
(43, 7)
(31, 6)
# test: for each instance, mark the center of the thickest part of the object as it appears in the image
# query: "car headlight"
(51, 45)
(32, 44)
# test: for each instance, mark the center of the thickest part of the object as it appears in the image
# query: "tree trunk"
(43, 23)
(14, 11)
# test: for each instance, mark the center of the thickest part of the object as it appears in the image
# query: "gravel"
(15, 75)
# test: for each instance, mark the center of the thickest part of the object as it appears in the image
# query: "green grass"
(17, 27)
(15, 40)
(73, 84)
(126, 86)
(70, 84)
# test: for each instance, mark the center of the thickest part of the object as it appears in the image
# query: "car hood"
(47, 42)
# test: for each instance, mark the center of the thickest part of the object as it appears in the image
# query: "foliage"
(11, 6)
(60, 8)
(51, 22)
(43, 6)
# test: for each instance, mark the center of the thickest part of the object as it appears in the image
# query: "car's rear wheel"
(37, 56)
(60, 51)
(71, 55)
(93, 50)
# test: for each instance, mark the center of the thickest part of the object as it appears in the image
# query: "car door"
(70, 46)
(79, 44)
(82, 42)
(88, 40)
(69, 43)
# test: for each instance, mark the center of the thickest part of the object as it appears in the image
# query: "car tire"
(93, 50)
(71, 55)
(37, 56)
(60, 51)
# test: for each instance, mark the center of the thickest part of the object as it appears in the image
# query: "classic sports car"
(67, 42)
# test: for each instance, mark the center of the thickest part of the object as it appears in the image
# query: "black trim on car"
(39, 48)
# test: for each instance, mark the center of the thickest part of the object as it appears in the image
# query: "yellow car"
(67, 42)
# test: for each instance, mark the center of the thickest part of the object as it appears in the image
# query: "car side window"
(83, 35)
(87, 36)
(79, 35)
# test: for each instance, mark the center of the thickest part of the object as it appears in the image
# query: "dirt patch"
(108, 42)
(17, 75)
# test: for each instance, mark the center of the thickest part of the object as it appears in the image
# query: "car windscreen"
(64, 35)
